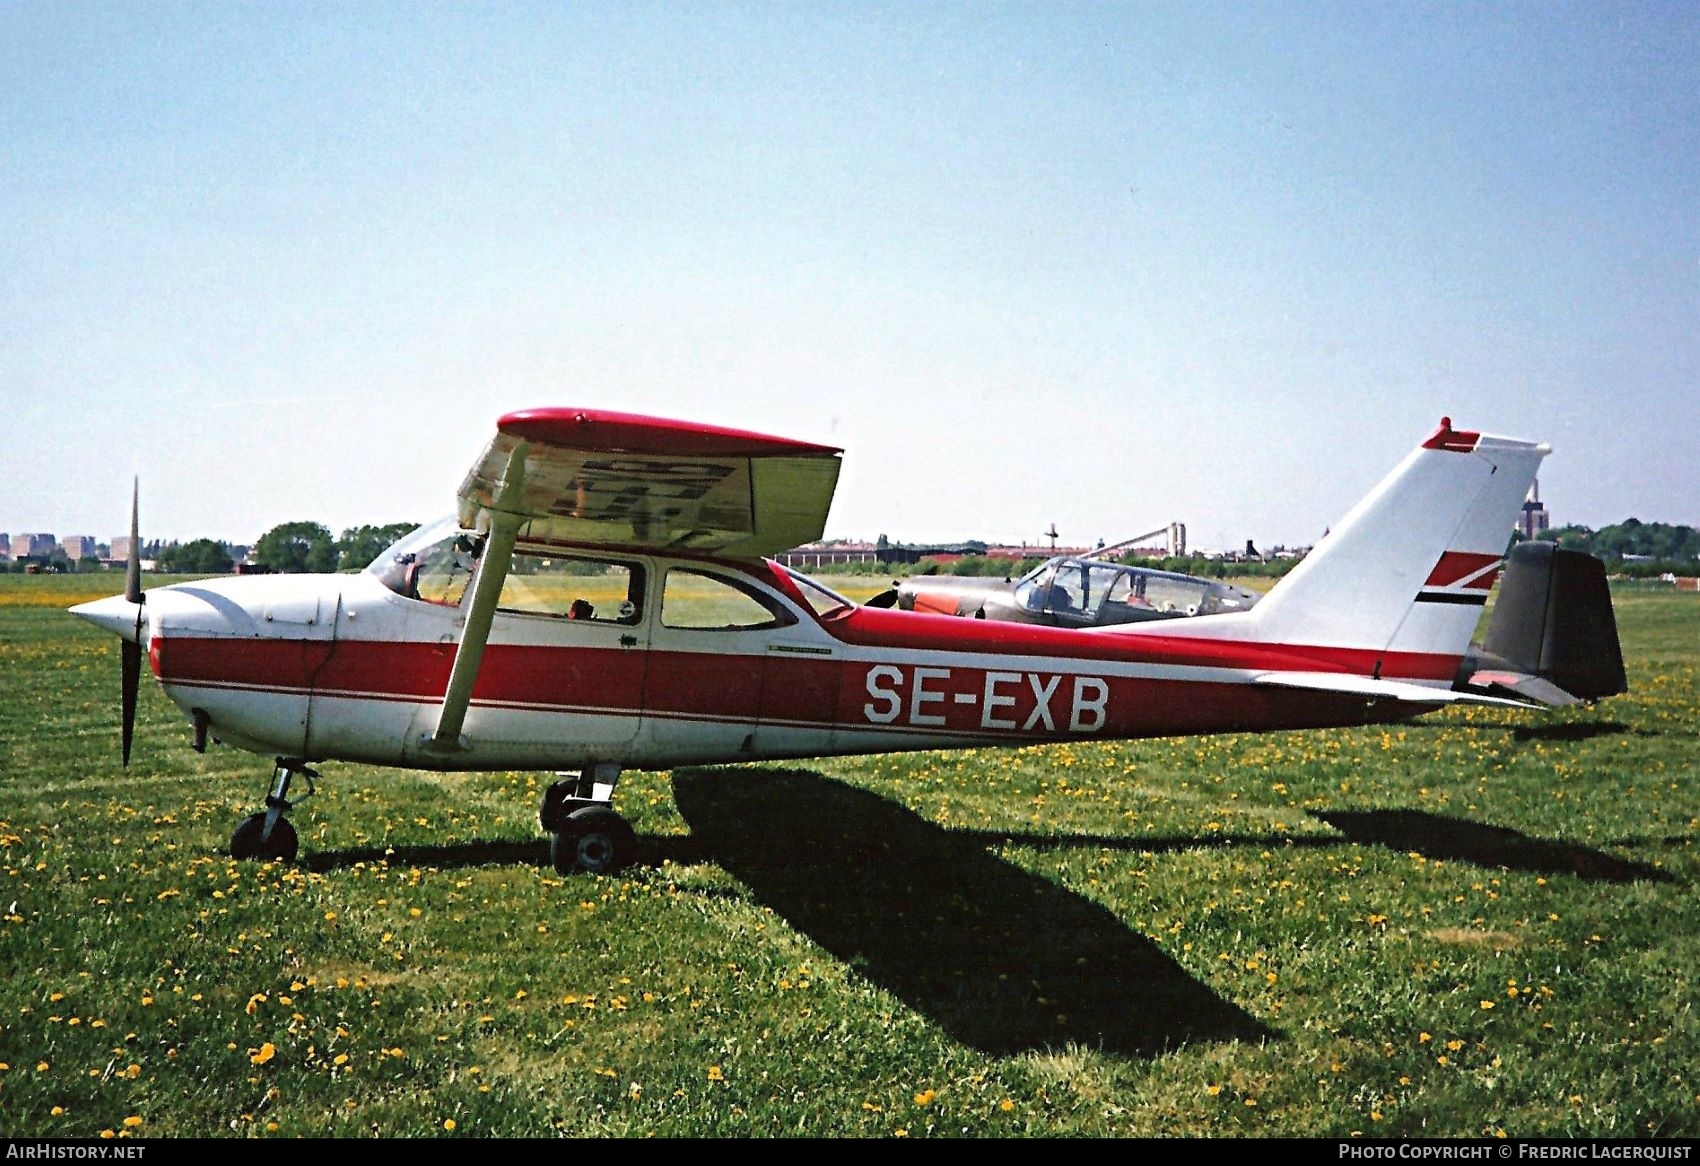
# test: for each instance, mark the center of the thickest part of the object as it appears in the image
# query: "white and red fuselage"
(1372, 626)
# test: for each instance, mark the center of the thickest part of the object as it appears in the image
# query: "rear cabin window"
(599, 590)
(696, 599)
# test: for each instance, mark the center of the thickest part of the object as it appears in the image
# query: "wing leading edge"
(597, 477)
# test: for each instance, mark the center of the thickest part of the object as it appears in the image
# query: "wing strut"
(493, 565)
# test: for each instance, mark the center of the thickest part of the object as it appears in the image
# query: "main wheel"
(594, 840)
(248, 841)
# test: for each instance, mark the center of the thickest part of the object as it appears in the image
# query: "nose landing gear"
(268, 835)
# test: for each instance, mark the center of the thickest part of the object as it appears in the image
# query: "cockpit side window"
(1033, 591)
(1068, 590)
(699, 600)
(1101, 579)
(598, 590)
(1176, 595)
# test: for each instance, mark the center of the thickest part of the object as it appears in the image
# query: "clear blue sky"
(1102, 265)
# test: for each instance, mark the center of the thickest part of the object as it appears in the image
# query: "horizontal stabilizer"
(1522, 684)
(1346, 684)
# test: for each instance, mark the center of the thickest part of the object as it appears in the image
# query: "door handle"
(628, 641)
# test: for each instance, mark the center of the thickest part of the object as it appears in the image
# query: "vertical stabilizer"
(1409, 569)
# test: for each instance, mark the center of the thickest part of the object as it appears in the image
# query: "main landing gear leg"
(587, 835)
(269, 835)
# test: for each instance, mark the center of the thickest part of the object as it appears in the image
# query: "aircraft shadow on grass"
(1433, 836)
(1003, 960)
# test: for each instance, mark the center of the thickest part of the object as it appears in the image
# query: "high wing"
(590, 476)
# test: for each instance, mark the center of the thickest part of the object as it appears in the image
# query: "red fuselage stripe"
(958, 697)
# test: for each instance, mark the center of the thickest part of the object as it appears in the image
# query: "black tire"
(593, 840)
(248, 843)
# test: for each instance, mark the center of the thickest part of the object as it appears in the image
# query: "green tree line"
(294, 547)
(1632, 539)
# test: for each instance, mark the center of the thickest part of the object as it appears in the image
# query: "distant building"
(39, 546)
(121, 548)
(823, 554)
(1534, 520)
(5, 545)
(79, 546)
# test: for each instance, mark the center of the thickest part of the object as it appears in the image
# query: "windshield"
(433, 564)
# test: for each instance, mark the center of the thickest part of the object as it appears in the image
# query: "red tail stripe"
(1456, 566)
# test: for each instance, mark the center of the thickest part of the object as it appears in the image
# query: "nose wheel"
(252, 842)
(268, 836)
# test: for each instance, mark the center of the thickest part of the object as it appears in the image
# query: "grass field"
(1482, 923)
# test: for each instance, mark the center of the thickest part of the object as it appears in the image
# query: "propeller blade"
(131, 658)
(130, 651)
(133, 568)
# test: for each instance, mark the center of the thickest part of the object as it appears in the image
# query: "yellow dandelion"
(1423, 1038)
(340, 1059)
(1006, 1105)
(1486, 1004)
(58, 1111)
(448, 1123)
(714, 1073)
(42, 1066)
(266, 1053)
(109, 1133)
(132, 1121)
(926, 1097)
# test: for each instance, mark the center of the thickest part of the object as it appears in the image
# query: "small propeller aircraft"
(1071, 593)
(601, 601)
